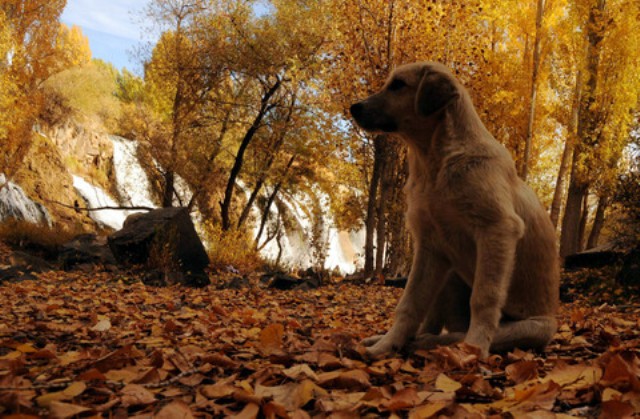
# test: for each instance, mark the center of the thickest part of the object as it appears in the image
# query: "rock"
(598, 257)
(14, 203)
(85, 252)
(396, 282)
(630, 272)
(163, 240)
(285, 282)
(29, 263)
(15, 274)
(237, 283)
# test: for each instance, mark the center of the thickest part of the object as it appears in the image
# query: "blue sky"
(113, 28)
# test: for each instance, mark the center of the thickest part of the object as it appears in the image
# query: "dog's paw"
(424, 341)
(479, 341)
(384, 345)
(371, 340)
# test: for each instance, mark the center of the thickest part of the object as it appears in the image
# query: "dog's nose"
(356, 109)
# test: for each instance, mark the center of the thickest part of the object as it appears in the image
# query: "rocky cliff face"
(55, 154)
(89, 147)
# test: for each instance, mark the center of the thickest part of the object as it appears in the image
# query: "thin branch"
(78, 208)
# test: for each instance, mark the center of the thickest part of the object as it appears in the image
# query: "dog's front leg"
(496, 249)
(426, 279)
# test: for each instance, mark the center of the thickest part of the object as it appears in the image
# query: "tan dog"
(485, 265)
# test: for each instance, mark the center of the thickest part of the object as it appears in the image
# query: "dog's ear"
(435, 92)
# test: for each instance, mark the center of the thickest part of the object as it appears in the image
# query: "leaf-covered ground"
(104, 345)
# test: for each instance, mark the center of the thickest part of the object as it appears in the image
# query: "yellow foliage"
(25, 234)
(231, 248)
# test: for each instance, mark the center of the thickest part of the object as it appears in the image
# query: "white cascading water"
(343, 248)
(131, 182)
(95, 197)
(131, 179)
(14, 203)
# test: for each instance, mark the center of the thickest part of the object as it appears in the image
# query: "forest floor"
(100, 344)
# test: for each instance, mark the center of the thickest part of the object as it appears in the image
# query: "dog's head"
(412, 93)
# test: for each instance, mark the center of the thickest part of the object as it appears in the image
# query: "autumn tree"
(605, 114)
(369, 40)
(34, 46)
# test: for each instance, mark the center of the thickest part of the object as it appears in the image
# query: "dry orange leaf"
(522, 371)
(177, 409)
(403, 399)
(271, 338)
(135, 395)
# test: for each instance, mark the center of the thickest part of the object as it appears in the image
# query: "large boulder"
(630, 272)
(85, 252)
(166, 243)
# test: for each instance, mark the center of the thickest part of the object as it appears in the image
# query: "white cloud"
(114, 17)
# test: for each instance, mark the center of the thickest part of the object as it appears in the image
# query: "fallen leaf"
(73, 390)
(136, 395)
(250, 411)
(538, 396)
(354, 380)
(428, 410)
(300, 371)
(177, 409)
(271, 338)
(403, 399)
(616, 409)
(102, 326)
(217, 391)
(446, 384)
(574, 377)
(61, 410)
(522, 371)
(292, 395)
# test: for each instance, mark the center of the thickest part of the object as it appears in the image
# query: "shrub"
(25, 235)
(233, 247)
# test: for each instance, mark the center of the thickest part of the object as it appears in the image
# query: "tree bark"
(399, 242)
(381, 229)
(265, 106)
(534, 91)
(567, 153)
(571, 241)
(270, 200)
(370, 223)
(598, 222)
(168, 189)
(583, 221)
(265, 170)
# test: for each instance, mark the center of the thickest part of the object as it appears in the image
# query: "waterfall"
(96, 197)
(14, 203)
(343, 248)
(131, 179)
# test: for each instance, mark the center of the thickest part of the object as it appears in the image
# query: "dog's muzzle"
(371, 119)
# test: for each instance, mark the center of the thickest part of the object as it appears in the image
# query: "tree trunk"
(270, 200)
(370, 222)
(169, 189)
(567, 153)
(598, 222)
(584, 217)
(398, 248)
(571, 240)
(225, 205)
(534, 91)
(381, 229)
(265, 170)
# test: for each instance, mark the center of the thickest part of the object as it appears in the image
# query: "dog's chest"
(433, 218)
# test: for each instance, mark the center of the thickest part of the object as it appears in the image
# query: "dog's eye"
(396, 84)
